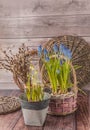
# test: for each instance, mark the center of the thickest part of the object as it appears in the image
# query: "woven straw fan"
(80, 56)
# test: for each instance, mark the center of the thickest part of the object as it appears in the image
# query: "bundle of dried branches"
(18, 63)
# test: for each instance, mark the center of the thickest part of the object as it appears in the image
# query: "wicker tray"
(9, 104)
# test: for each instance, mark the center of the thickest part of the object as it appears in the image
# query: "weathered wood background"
(35, 21)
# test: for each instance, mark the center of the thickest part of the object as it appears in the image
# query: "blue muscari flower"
(58, 71)
(55, 48)
(45, 52)
(61, 62)
(69, 54)
(61, 47)
(39, 50)
(47, 59)
(64, 50)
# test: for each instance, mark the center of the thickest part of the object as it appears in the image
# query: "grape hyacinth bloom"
(64, 50)
(45, 52)
(47, 59)
(62, 61)
(61, 48)
(55, 48)
(69, 54)
(39, 50)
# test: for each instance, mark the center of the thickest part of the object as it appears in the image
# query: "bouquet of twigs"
(18, 63)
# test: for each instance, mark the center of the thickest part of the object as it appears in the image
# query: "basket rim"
(64, 96)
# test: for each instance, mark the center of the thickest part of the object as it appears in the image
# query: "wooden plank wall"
(35, 21)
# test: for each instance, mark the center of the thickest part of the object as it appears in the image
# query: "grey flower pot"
(34, 113)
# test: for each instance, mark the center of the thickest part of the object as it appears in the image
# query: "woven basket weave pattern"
(9, 104)
(63, 106)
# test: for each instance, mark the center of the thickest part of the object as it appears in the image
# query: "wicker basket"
(67, 103)
(64, 104)
(80, 56)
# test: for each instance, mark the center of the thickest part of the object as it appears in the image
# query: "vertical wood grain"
(69, 122)
(82, 114)
(21, 125)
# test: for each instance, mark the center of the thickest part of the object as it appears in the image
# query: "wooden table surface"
(77, 121)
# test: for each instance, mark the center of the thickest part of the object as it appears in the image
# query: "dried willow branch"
(19, 63)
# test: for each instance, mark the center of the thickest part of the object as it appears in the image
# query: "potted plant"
(34, 101)
(60, 71)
